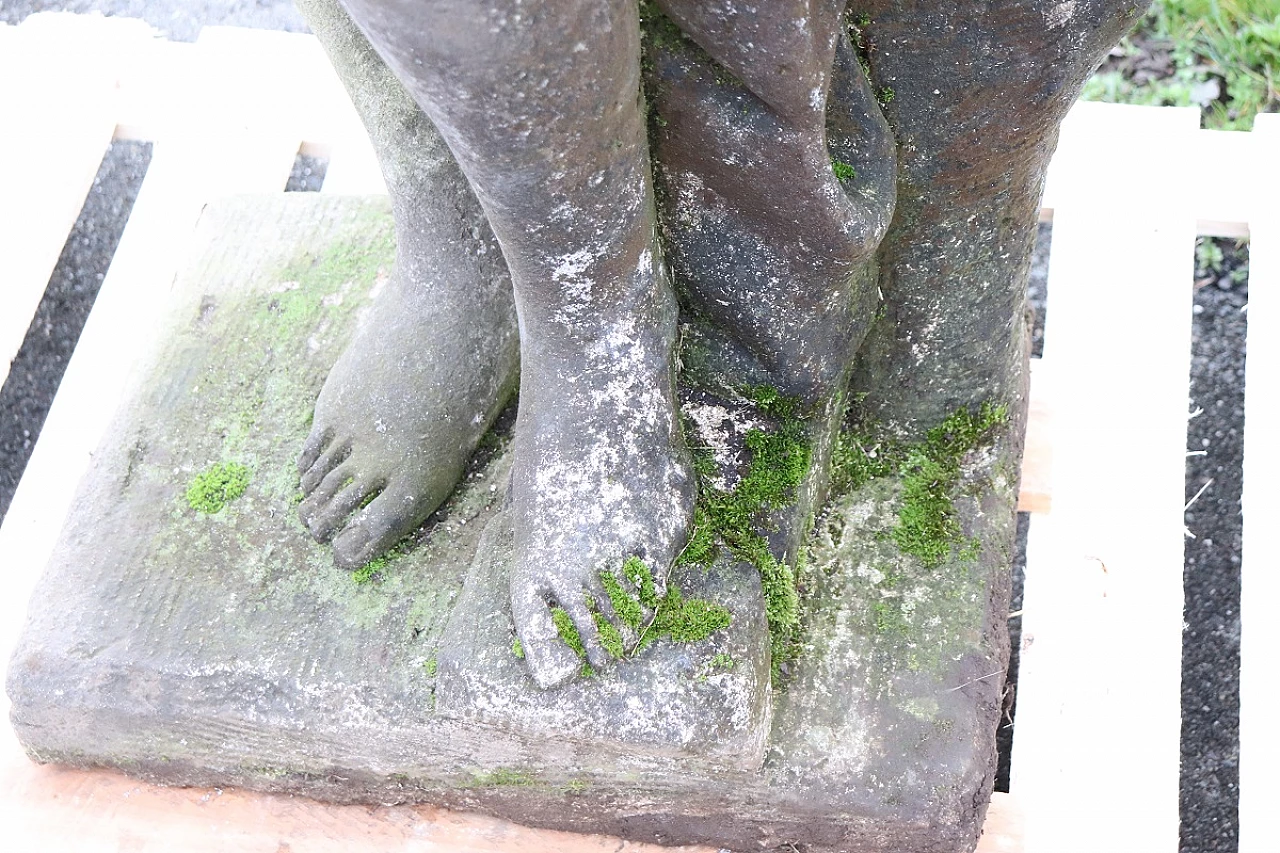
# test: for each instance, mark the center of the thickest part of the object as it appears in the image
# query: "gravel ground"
(1212, 573)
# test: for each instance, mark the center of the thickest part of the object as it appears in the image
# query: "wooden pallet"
(1098, 696)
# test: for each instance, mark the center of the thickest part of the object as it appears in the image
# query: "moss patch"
(216, 486)
(610, 637)
(844, 172)
(676, 618)
(685, 620)
(930, 472)
(780, 460)
(570, 637)
(505, 777)
(627, 608)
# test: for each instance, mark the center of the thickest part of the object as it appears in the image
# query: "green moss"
(569, 635)
(627, 608)
(723, 662)
(889, 618)
(216, 486)
(517, 648)
(610, 638)
(844, 172)
(930, 473)
(780, 460)
(885, 96)
(505, 777)
(431, 666)
(719, 663)
(635, 570)
(676, 618)
(686, 620)
(378, 565)
(365, 573)
(658, 31)
(702, 547)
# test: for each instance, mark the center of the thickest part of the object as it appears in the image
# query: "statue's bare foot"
(600, 475)
(402, 411)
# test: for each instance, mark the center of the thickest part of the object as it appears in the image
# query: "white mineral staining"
(717, 429)
(1060, 14)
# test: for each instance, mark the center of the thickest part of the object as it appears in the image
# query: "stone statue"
(777, 178)
(758, 270)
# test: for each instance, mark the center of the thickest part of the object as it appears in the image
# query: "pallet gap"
(46, 349)
(1210, 744)
(307, 175)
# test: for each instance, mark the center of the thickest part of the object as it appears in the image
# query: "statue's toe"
(339, 495)
(333, 455)
(316, 442)
(550, 661)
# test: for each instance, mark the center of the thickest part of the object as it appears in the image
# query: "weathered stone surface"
(227, 649)
(671, 699)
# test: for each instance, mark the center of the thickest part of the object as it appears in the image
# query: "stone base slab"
(228, 650)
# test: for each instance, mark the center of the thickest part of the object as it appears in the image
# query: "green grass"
(1234, 44)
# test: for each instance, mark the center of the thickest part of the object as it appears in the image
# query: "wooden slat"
(1003, 831)
(1036, 494)
(1260, 577)
(353, 169)
(1098, 694)
(58, 75)
(1225, 187)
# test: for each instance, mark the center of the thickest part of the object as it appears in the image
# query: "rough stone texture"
(975, 93)
(669, 700)
(228, 650)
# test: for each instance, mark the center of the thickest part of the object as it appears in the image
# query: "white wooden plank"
(298, 89)
(1003, 830)
(1096, 147)
(1260, 580)
(59, 73)
(1036, 493)
(1098, 692)
(1224, 183)
(353, 169)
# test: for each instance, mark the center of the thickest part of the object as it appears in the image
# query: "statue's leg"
(437, 357)
(770, 237)
(541, 104)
